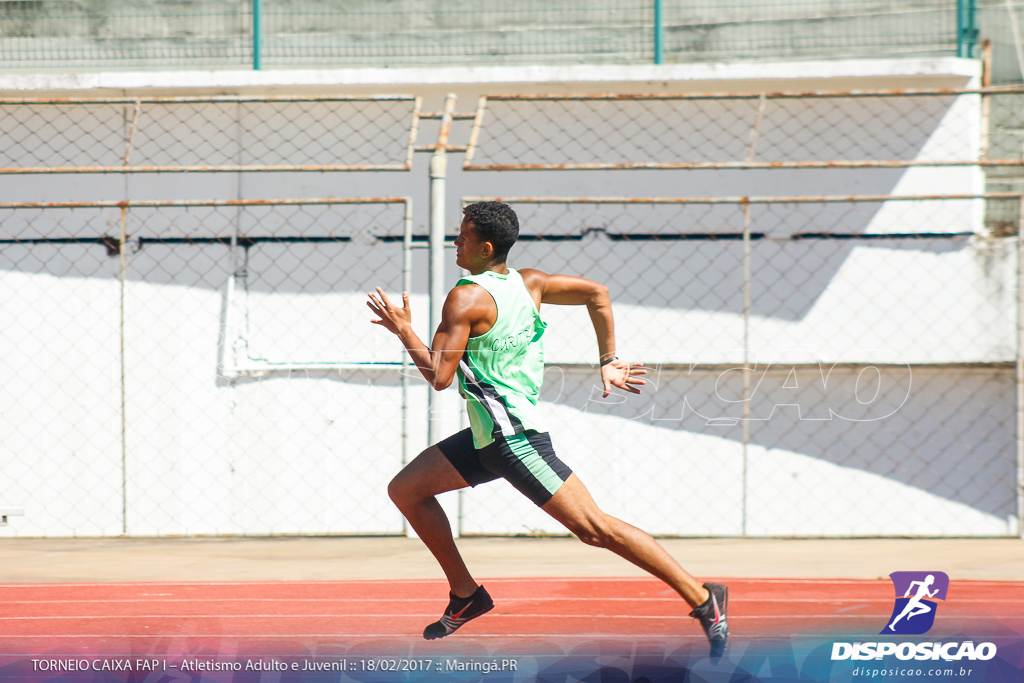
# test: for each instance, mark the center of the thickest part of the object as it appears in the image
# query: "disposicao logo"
(914, 612)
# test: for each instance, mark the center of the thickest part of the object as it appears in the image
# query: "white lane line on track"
(509, 579)
(215, 584)
(528, 579)
(504, 600)
(433, 615)
(399, 637)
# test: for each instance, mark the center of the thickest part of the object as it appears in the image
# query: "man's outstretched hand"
(392, 318)
(622, 375)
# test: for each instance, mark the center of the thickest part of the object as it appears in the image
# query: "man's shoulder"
(468, 298)
(530, 272)
(533, 279)
(466, 291)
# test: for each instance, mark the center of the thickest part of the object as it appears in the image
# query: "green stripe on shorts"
(520, 445)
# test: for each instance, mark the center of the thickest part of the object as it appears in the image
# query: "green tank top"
(501, 371)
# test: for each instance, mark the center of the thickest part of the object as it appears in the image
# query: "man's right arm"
(439, 362)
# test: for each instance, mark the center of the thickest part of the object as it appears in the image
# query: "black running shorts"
(527, 461)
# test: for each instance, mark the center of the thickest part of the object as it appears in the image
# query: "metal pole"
(746, 318)
(131, 133)
(438, 175)
(746, 359)
(960, 28)
(986, 100)
(406, 286)
(659, 31)
(756, 129)
(123, 253)
(1020, 370)
(257, 34)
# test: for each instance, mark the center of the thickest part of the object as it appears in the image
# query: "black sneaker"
(713, 617)
(460, 610)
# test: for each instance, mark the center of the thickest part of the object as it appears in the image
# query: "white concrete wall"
(61, 431)
(931, 453)
(311, 451)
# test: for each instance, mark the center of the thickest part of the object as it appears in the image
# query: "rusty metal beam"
(204, 99)
(234, 168)
(744, 165)
(158, 203)
(414, 128)
(809, 94)
(824, 199)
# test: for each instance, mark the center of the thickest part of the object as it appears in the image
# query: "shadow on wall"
(949, 432)
(788, 276)
(705, 274)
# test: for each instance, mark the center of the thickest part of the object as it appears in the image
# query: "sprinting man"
(914, 606)
(491, 338)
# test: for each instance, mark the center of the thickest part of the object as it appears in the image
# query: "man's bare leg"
(574, 507)
(413, 490)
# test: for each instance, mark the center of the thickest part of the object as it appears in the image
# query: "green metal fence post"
(257, 34)
(659, 32)
(966, 28)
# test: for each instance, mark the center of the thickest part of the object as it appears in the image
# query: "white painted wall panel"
(312, 451)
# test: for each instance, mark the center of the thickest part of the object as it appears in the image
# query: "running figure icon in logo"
(923, 585)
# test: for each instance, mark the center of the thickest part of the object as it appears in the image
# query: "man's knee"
(402, 489)
(396, 490)
(421, 479)
(595, 531)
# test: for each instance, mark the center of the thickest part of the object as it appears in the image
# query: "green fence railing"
(966, 29)
(63, 34)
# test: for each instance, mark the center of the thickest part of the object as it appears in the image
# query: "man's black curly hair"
(496, 223)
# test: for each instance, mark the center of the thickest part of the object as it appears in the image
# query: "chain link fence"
(815, 378)
(200, 372)
(818, 358)
(832, 342)
(748, 131)
(293, 33)
(209, 134)
(884, 132)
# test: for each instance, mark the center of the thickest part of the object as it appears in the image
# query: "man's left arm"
(566, 290)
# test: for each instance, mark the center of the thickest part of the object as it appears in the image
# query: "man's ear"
(487, 250)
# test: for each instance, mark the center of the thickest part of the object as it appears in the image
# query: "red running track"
(183, 618)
